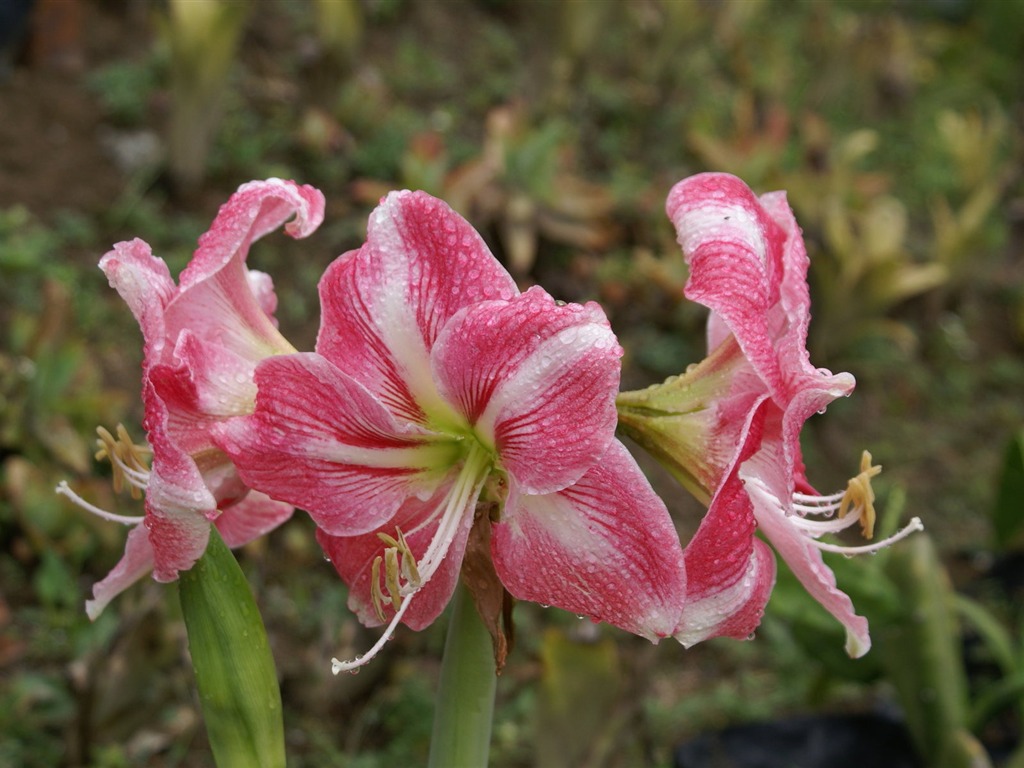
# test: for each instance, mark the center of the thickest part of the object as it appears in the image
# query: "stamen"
(391, 576)
(127, 459)
(860, 495)
(400, 563)
(858, 498)
(375, 593)
(65, 490)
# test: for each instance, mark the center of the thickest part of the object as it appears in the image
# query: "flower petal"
(320, 441)
(418, 520)
(769, 485)
(219, 299)
(734, 250)
(384, 305)
(179, 505)
(145, 284)
(250, 518)
(729, 573)
(538, 379)
(256, 209)
(807, 565)
(136, 563)
(604, 547)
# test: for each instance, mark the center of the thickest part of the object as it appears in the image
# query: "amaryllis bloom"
(202, 341)
(440, 395)
(729, 428)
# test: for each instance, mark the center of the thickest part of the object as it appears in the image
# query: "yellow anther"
(409, 568)
(375, 591)
(392, 571)
(861, 496)
(122, 453)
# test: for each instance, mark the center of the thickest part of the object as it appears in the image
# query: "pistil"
(128, 461)
(858, 498)
(404, 577)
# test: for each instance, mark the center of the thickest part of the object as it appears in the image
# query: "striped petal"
(320, 441)
(536, 379)
(734, 250)
(604, 548)
(255, 515)
(384, 305)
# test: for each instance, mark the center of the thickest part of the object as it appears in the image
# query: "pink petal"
(353, 558)
(805, 560)
(219, 299)
(769, 482)
(538, 380)
(384, 305)
(604, 548)
(320, 441)
(262, 287)
(136, 563)
(179, 505)
(735, 252)
(256, 209)
(145, 284)
(729, 573)
(250, 518)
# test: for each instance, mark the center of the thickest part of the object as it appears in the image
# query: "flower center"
(404, 576)
(841, 510)
(129, 462)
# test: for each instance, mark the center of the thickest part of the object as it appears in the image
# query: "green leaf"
(234, 668)
(1008, 513)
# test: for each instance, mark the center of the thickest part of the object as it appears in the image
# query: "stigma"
(838, 511)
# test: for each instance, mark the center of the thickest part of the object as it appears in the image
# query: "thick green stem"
(465, 697)
(234, 668)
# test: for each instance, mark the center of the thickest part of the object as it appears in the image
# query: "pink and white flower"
(439, 392)
(202, 340)
(729, 428)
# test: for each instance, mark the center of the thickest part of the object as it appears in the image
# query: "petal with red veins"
(729, 573)
(250, 518)
(256, 209)
(353, 558)
(604, 548)
(538, 380)
(805, 560)
(735, 253)
(769, 484)
(320, 441)
(179, 506)
(384, 305)
(136, 563)
(219, 299)
(146, 286)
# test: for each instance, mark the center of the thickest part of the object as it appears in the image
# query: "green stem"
(465, 697)
(234, 668)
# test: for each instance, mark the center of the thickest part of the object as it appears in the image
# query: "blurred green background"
(557, 128)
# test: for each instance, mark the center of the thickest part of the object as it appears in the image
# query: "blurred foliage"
(558, 128)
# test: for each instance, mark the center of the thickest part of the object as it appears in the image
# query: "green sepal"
(235, 674)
